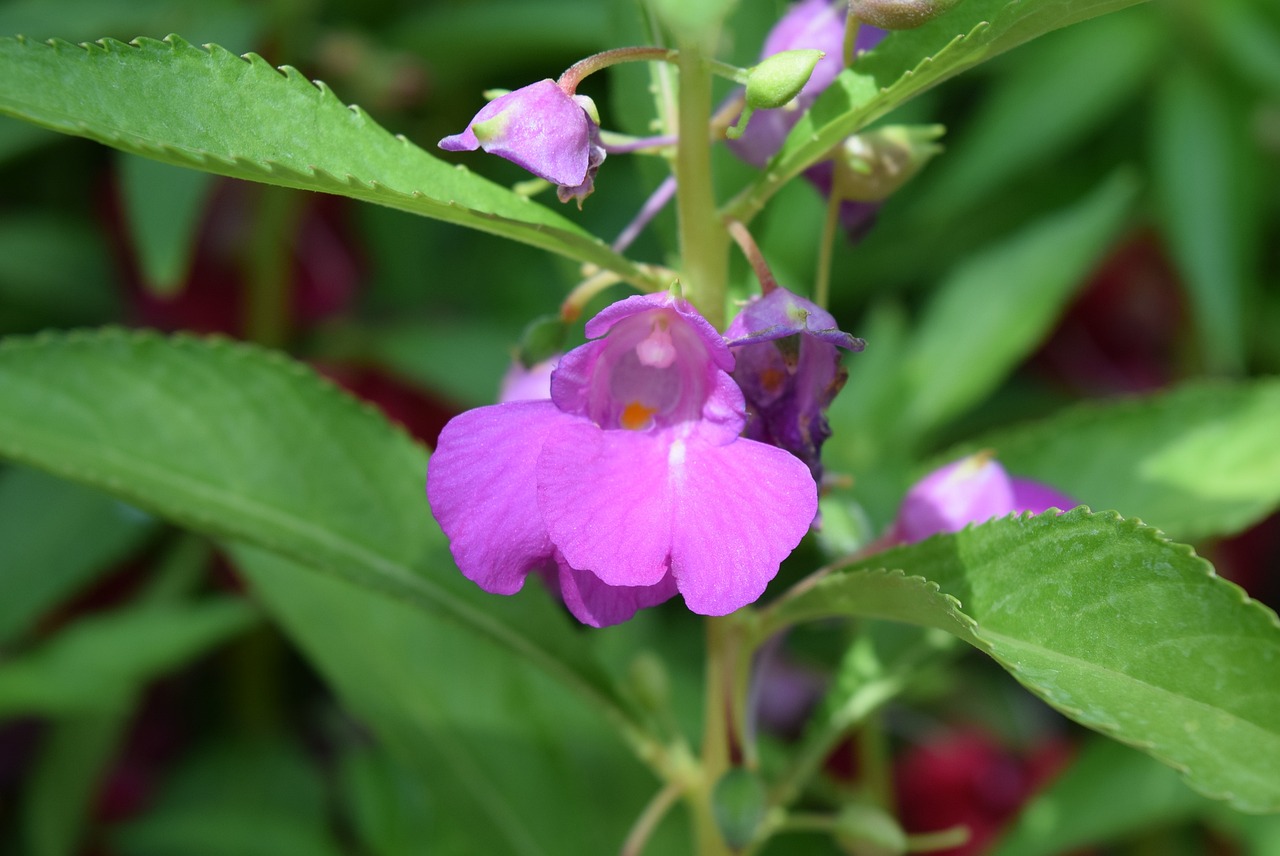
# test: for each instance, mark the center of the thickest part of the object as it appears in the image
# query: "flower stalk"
(703, 240)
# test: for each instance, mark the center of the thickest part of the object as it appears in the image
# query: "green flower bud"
(899, 14)
(739, 801)
(865, 830)
(872, 165)
(542, 339)
(777, 79)
(649, 682)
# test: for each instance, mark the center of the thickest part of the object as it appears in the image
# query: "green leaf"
(1040, 105)
(99, 661)
(998, 305)
(905, 64)
(242, 443)
(507, 758)
(162, 206)
(248, 798)
(388, 806)
(1118, 628)
(214, 111)
(1109, 792)
(1201, 163)
(1198, 461)
(39, 566)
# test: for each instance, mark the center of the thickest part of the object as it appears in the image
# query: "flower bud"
(739, 803)
(871, 166)
(866, 830)
(775, 80)
(899, 14)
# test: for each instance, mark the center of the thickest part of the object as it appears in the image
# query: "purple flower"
(543, 129)
(812, 24)
(970, 490)
(631, 483)
(788, 366)
(527, 384)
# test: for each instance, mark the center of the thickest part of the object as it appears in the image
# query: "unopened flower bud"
(739, 802)
(775, 80)
(899, 14)
(650, 682)
(866, 830)
(872, 166)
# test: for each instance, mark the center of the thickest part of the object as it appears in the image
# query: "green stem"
(267, 304)
(715, 738)
(874, 761)
(703, 240)
(575, 73)
(649, 819)
(822, 283)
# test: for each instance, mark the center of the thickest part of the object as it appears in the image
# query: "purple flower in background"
(554, 135)
(970, 490)
(527, 384)
(809, 24)
(631, 483)
(788, 367)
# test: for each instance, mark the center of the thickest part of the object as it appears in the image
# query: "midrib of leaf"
(67, 88)
(989, 640)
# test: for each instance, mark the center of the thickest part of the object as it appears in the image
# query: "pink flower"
(970, 490)
(543, 129)
(631, 483)
(528, 384)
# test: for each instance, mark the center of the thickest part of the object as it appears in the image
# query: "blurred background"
(121, 733)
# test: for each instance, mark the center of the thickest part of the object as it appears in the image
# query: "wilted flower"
(788, 366)
(631, 483)
(540, 127)
(970, 490)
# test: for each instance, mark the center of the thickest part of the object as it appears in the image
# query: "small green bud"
(872, 165)
(739, 802)
(777, 79)
(541, 340)
(899, 14)
(650, 682)
(866, 830)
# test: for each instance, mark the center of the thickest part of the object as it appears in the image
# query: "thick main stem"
(704, 249)
(715, 738)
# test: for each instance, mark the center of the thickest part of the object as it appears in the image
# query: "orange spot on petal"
(636, 416)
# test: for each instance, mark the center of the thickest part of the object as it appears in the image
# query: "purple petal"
(815, 24)
(1038, 498)
(537, 127)
(970, 490)
(481, 484)
(606, 501)
(527, 384)
(782, 313)
(599, 605)
(738, 511)
(711, 338)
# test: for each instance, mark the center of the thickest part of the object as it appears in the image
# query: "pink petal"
(739, 510)
(606, 501)
(970, 490)
(481, 483)
(599, 605)
(1038, 498)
